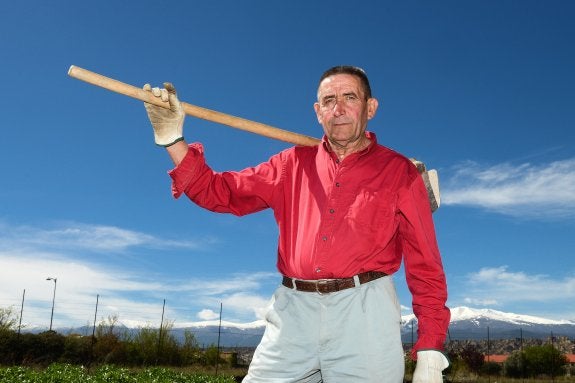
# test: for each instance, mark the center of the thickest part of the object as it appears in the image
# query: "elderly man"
(349, 210)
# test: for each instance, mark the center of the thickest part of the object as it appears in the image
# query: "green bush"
(534, 361)
(491, 368)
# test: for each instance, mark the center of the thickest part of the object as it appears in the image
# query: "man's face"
(342, 109)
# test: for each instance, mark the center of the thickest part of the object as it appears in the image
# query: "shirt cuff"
(428, 342)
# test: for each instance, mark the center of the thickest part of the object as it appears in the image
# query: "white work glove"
(168, 124)
(429, 367)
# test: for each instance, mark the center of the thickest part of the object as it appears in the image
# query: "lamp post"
(53, 299)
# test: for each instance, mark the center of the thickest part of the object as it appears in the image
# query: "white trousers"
(345, 337)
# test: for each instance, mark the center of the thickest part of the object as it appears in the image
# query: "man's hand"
(429, 367)
(168, 124)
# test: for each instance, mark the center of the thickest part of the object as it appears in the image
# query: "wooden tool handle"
(93, 78)
(192, 110)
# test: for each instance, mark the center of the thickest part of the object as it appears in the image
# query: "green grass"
(66, 373)
(502, 379)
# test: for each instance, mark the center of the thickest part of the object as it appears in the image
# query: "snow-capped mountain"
(468, 314)
(469, 323)
(482, 316)
(466, 323)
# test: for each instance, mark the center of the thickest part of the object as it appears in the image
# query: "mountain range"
(466, 323)
(469, 323)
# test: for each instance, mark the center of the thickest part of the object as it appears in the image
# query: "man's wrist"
(178, 151)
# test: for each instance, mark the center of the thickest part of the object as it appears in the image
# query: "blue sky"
(482, 91)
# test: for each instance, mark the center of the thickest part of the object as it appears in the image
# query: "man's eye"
(350, 97)
(328, 101)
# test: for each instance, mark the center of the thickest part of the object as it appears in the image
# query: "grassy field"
(499, 379)
(65, 373)
(493, 379)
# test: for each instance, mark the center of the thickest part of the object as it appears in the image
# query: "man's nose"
(339, 107)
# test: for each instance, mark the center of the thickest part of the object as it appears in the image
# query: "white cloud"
(247, 303)
(29, 255)
(133, 297)
(499, 287)
(207, 314)
(480, 302)
(78, 284)
(526, 189)
(228, 284)
(238, 294)
(98, 238)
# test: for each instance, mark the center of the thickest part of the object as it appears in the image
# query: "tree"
(472, 358)
(108, 326)
(151, 346)
(143, 346)
(44, 348)
(190, 350)
(212, 356)
(8, 319)
(544, 360)
(77, 349)
(108, 347)
(9, 347)
(535, 361)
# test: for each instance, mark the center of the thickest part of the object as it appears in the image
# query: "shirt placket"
(330, 214)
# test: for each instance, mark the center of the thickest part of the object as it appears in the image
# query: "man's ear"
(372, 105)
(318, 112)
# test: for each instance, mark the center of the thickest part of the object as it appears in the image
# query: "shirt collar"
(372, 138)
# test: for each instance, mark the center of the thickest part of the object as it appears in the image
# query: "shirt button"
(318, 270)
(324, 238)
(337, 184)
(331, 211)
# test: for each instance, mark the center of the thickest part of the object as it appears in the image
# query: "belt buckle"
(321, 283)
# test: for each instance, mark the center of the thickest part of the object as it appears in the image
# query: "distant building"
(496, 358)
(501, 358)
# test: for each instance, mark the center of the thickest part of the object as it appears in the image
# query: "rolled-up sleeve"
(183, 174)
(236, 192)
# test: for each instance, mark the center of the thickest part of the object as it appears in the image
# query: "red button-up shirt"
(337, 219)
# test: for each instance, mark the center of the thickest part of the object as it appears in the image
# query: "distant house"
(496, 358)
(571, 360)
(503, 357)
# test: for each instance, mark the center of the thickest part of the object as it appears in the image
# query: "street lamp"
(53, 299)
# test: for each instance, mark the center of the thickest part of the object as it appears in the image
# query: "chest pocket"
(372, 210)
